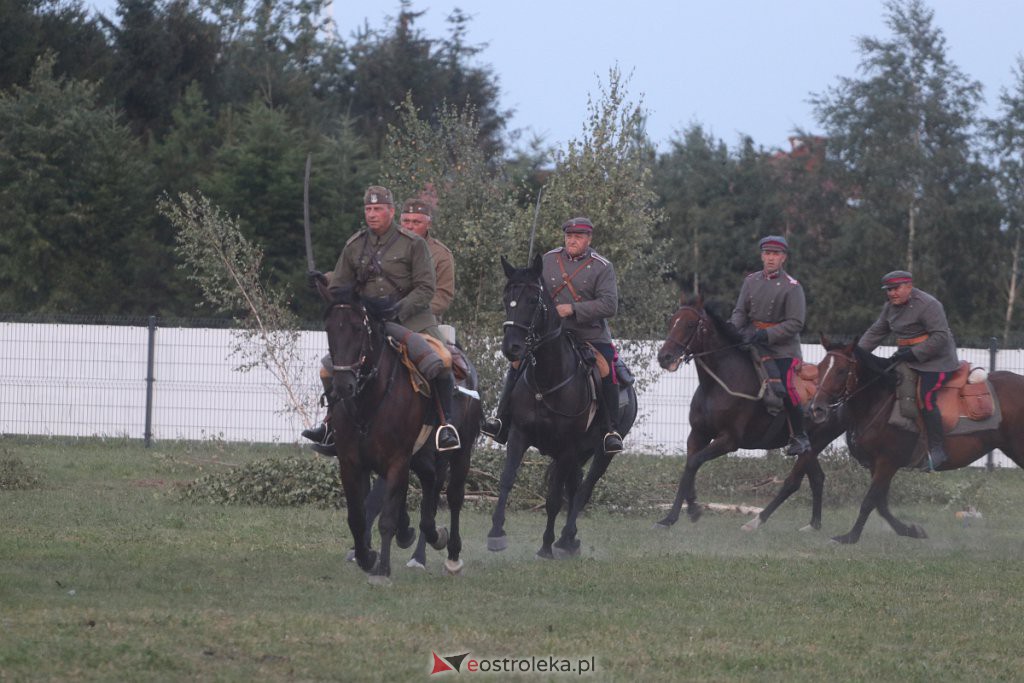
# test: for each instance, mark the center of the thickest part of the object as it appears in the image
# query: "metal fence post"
(149, 380)
(993, 347)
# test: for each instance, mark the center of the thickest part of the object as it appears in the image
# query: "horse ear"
(823, 339)
(538, 264)
(509, 270)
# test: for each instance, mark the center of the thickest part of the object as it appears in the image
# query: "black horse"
(552, 408)
(433, 469)
(377, 421)
(726, 413)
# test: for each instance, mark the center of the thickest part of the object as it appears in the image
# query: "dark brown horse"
(377, 420)
(726, 412)
(864, 385)
(552, 409)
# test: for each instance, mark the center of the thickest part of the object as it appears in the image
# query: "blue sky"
(734, 66)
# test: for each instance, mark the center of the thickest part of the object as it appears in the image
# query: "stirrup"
(612, 442)
(491, 426)
(318, 435)
(452, 433)
(798, 445)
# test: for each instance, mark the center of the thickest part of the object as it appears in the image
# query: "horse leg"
(789, 486)
(398, 484)
(597, 468)
(355, 483)
(910, 530)
(456, 497)
(568, 543)
(877, 492)
(422, 464)
(697, 454)
(553, 505)
(496, 539)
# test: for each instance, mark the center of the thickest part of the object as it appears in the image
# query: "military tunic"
(922, 315)
(774, 303)
(396, 264)
(444, 275)
(597, 294)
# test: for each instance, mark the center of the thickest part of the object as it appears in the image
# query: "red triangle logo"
(440, 665)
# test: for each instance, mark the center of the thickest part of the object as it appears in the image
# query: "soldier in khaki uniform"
(384, 261)
(585, 291)
(417, 217)
(926, 344)
(769, 313)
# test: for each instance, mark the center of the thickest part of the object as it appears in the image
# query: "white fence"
(91, 380)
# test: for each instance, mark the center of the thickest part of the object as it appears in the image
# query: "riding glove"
(904, 355)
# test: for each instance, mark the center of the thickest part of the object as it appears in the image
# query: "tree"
(1005, 136)
(74, 190)
(903, 135)
(385, 67)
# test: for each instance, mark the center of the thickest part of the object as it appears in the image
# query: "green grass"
(106, 575)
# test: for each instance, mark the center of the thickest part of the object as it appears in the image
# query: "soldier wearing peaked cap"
(417, 216)
(385, 261)
(770, 313)
(925, 343)
(585, 291)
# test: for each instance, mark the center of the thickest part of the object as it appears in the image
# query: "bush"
(15, 474)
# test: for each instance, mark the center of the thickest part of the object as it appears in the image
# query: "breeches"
(930, 383)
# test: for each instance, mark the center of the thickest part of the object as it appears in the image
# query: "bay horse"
(434, 469)
(552, 408)
(864, 385)
(726, 412)
(377, 420)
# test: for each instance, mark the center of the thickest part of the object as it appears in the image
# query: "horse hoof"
(662, 525)
(917, 531)
(694, 514)
(453, 568)
(413, 563)
(405, 540)
(564, 554)
(378, 580)
(442, 539)
(545, 554)
(752, 525)
(350, 556)
(810, 527)
(497, 543)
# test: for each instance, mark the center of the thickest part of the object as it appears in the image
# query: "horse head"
(350, 335)
(688, 333)
(838, 374)
(528, 310)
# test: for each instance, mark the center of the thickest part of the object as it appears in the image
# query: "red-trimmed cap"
(774, 243)
(578, 225)
(896, 278)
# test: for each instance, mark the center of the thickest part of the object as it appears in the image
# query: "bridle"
(359, 369)
(850, 388)
(535, 340)
(540, 312)
(699, 332)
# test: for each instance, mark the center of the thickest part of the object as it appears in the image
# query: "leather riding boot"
(612, 439)
(447, 437)
(768, 371)
(798, 441)
(936, 441)
(322, 435)
(496, 427)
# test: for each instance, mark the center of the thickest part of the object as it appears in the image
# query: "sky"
(736, 67)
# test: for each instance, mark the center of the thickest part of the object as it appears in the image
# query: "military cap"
(416, 206)
(896, 278)
(375, 194)
(578, 225)
(774, 243)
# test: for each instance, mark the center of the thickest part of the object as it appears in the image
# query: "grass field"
(106, 575)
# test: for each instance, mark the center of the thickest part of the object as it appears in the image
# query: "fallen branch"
(722, 507)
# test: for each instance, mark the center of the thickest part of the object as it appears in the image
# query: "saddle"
(966, 396)
(805, 379)
(593, 357)
(424, 356)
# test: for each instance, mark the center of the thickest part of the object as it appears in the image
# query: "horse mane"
(719, 313)
(875, 366)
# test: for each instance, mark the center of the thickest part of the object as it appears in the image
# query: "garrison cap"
(896, 278)
(375, 194)
(578, 225)
(417, 206)
(774, 243)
